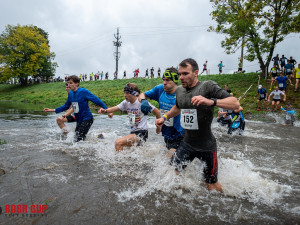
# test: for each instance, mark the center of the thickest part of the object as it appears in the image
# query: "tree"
(23, 52)
(255, 24)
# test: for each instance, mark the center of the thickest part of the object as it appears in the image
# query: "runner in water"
(289, 114)
(79, 97)
(137, 119)
(67, 119)
(165, 95)
(195, 100)
(238, 121)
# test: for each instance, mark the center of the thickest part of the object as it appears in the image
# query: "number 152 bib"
(188, 119)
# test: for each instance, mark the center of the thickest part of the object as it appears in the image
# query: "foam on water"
(148, 169)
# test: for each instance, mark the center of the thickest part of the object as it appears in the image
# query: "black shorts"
(220, 71)
(274, 75)
(276, 100)
(82, 128)
(142, 136)
(71, 119)
(173, 143)
(240, 69)
(282, 88)
(185, 154)
(260, 98)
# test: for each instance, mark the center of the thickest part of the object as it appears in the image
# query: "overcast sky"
(156, 33)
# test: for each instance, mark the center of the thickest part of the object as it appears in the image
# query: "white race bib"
(288, 70)
(131, 118)
(188, 119)
(262, 95)
(168, 122)
(75, 107)
(280, 85)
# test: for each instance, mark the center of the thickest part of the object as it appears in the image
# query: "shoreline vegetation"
(52, 95)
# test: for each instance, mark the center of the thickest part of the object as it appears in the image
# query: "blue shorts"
(185, 154)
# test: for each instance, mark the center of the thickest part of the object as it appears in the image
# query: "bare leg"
(216, 186)
(126, 141)
(61, 123)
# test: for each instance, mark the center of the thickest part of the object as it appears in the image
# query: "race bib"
(168, 122)
(262, 95)
(131, 118)
(288, 70)
(75, 107)
(274, 71)
(188, 119)
(280, 85)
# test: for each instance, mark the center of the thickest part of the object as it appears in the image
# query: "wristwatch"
(215, 101)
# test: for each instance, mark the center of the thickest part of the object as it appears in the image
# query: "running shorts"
(173, 143)
(82, 128)
(185, 154)
(142, 136)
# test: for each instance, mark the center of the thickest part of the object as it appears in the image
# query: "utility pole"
(117, 53)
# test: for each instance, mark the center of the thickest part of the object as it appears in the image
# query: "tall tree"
(255, 24)
(23, 51)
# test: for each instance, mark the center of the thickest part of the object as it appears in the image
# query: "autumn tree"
(24, 50)
(256, 25)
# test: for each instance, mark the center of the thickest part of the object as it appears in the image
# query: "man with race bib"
(282, 82)
(137, 119)
(165, 95)
(195, 102)
(276, 98)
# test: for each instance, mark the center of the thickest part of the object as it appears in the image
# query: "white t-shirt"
(276, 94)
(137, 119)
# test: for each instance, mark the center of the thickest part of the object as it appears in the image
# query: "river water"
(89, 183)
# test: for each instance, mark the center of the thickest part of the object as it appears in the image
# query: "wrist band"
(165, 117)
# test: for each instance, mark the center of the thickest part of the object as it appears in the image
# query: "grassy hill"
(52, 95)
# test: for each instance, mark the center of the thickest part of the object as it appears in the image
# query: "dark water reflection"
(89, 183)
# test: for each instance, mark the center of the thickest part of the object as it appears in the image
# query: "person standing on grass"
(220, 65)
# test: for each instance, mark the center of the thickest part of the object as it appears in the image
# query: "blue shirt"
(80, 103)
(262, 92)
(166, 102)
(281, 81)
(288, 68)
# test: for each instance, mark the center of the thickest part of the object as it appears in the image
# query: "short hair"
(190, 61)
(134, 87)
(74, 78)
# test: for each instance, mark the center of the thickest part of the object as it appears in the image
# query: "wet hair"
(74, 78)
(132, 88)
(190, 61)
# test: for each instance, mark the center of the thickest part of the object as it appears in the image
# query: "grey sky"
(154, 33)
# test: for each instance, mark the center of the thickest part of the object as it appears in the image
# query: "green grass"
(110, 92)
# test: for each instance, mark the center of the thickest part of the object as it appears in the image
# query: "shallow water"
(89, 183)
